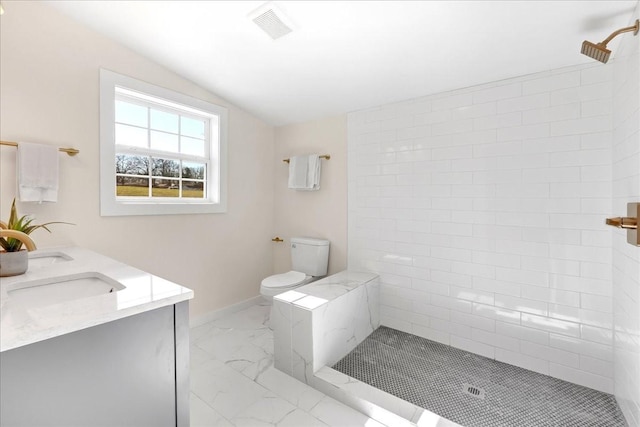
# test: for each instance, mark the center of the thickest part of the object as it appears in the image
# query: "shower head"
(599, 51)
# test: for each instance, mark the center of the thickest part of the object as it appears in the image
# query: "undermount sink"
(38, 260)
(54, 290)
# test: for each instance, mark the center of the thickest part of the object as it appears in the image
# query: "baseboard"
(216, 314)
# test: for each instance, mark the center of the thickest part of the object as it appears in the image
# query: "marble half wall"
(320, 323)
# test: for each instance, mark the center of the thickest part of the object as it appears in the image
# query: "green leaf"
(24, 224)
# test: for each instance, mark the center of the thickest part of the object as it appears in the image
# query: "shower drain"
(473, 391)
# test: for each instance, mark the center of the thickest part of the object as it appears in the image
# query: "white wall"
(626, 258)
(320, 213)
(49, 81)
(483, 210)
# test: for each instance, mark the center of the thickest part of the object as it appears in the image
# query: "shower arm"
(629, 223)
(633, 28)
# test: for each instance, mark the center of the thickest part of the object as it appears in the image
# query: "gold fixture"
(629, 223)
(599, 51)
(19, 235)
(69, 151)
(324, 156)
(277, 239)
(623, 222)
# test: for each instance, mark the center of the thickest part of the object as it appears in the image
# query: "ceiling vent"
(271, 20)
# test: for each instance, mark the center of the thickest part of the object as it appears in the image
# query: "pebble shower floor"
(472, 390)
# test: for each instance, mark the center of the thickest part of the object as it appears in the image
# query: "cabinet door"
(117, 374)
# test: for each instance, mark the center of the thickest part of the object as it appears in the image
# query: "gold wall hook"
(277, 239)
(629, 223)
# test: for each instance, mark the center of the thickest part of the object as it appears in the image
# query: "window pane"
(165, 188)
(132, 165)
(192, 127)
(193, 189)
(166, 167)
(132, 186)
(161, 120)
(193, 170)
(191, 146)
(164, 141)
(129, 135)
(131, 114)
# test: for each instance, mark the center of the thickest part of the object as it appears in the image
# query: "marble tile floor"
(434, 376)
(234, 383)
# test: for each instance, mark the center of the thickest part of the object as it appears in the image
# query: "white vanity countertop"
(21, 325)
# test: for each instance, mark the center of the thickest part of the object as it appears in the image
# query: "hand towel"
(304, 172)
(313, 173)
(298, 171)
(37, 168)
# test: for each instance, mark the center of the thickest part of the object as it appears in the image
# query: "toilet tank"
(310, 256)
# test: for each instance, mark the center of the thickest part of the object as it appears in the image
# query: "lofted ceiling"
(349, 55)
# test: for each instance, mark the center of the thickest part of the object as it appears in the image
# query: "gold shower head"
(599, 51)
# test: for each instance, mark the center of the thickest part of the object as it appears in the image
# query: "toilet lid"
(284, 280)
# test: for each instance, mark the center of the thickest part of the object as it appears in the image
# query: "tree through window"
(160, 151)
(165, 149)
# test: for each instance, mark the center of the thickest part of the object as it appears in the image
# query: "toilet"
(309, 260)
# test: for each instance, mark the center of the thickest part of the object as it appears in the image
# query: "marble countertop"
(21, 324)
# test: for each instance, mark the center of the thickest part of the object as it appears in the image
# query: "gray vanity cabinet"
(129, 372)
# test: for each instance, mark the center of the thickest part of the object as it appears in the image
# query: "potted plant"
(13, 236)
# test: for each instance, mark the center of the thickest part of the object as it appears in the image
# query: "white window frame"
(215, 200)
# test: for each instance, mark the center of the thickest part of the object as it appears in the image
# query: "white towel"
(304, 172)
(313, 173)
(37, 173)
(298, 171)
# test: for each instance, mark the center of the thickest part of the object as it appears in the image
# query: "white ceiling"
(349, 55)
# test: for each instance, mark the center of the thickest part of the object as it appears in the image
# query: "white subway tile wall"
(626, 258)
(483, 212)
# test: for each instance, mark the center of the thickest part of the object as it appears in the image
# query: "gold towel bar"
(324, 156)
(69, 151)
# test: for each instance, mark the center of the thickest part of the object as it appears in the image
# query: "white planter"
(13, 263)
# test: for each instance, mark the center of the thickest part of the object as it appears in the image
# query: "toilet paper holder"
(629, 223)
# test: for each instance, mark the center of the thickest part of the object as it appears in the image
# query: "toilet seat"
(279, 283)
(284, 280)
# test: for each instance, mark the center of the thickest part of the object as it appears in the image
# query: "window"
(161, 152)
